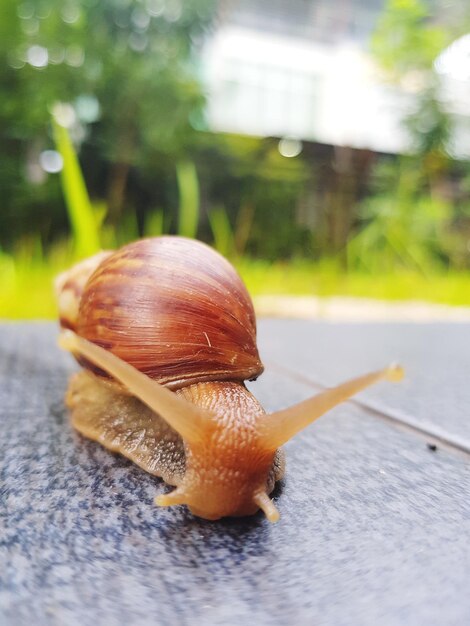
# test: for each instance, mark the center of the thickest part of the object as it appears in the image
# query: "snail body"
(166, 333)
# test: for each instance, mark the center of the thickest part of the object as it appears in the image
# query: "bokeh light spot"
(64, 114)
(15, 62)
(140, 18)
(51, 161)
(37, 56)
(74, 56)
(25, 10)
(173, 10)
(30, 27)
(290, 147)
(138, 42)
(155, 7)
(56, 55)
(70, 13)
(88, 108)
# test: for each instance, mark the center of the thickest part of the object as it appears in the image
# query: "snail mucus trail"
(165, 331)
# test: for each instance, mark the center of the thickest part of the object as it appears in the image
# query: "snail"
(165, 332)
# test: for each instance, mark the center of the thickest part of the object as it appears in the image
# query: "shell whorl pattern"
(69, 288)
(173, 308)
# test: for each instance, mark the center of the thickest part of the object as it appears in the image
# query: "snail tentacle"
(190, 422)
(170, 499)
(277, 428)
(267, 506)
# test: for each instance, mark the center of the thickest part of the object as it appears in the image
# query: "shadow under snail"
(166, 333)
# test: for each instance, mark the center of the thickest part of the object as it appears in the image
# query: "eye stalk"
(189, 421)
(277, 428)
(267, 506)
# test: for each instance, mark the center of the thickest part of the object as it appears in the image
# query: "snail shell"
(173, 308)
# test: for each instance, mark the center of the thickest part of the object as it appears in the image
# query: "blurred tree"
(409, 225)
(128, 68)
(406, 40)
(404, 229)
(258, 190)
(406, 43)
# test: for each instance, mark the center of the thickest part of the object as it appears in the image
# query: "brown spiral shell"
(173, 308)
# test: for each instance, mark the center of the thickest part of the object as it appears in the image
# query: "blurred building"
(301, 69)
(453, 67)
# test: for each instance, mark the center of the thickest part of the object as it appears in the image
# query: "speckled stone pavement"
(375, 508)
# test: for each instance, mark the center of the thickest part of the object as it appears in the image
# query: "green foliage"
(411, 219)
(406, 43)
(403, 229)
(128, 69)
(259, 190)
(430, 126)
(406, 40)
(260, 158)
(27, 284)
(85, 224)
(154, 224)
(188, 187)
(27, 277)
(224, 240)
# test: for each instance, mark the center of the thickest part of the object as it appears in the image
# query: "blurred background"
(322, 145)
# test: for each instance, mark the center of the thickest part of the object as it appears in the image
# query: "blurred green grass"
(301, 277)
(27, 283)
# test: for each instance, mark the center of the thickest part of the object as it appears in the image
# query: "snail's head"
(229, 469)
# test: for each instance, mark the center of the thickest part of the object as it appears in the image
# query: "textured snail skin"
(218, 477)
(228, 469)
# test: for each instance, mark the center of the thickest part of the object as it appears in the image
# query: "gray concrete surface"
(436, 391)
(374, 525)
